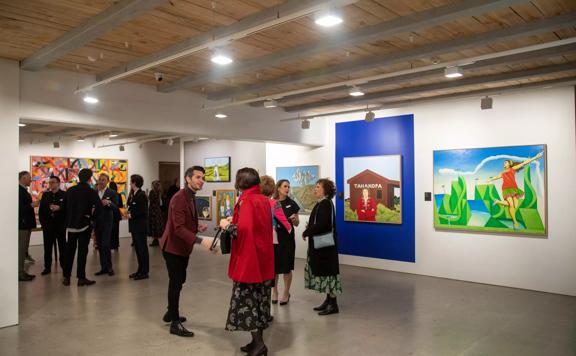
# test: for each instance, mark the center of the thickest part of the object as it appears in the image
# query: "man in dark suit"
(53, 220)
(138, 225)
(177, 243)
(26, 222)
(104, 222)
(82, 204)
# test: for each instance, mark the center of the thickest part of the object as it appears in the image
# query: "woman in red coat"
(251, 261)
(366, 208)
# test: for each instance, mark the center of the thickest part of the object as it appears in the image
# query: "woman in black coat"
(322, 272)
(138, 225)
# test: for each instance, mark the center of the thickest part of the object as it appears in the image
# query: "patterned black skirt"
(249, 306)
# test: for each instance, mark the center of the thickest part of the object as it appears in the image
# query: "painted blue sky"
(312, 174)
(386, 166)
(479, 164)
(220, 161)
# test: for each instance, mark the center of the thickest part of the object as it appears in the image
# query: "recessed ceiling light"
(21, 125)
(221, 58)
(91, 99)
(453, 72)
(220, 115)
(355, 91)
(268, 104)
(112, 135)
(328, 19)
(80, 139)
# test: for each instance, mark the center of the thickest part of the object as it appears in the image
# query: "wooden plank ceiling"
(27, 26)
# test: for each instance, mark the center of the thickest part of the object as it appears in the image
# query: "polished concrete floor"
(382, 313)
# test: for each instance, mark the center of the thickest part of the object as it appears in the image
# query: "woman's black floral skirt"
(249, 306)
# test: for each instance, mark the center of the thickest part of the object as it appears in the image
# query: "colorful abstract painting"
(497, 189)
(302, 180)
(67, 168)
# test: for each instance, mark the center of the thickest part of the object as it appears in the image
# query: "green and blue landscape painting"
(495, 190)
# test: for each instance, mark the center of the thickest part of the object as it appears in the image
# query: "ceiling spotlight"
(112, 135)
(453, 72)
(305, 124)
(220, 115)
(486, 103)
(80, 139)
(121, 148)
(370, 116)
(91, 99)
(56, 144)
(21, 125)
(328, 19)
(170, 141)
(355, 91)
(221, 58)
(268, 104)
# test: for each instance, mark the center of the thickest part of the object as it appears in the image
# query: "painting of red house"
(372, 190)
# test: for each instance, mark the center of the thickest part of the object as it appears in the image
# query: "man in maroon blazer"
(178, 240)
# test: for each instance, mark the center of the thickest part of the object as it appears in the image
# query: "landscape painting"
(302, 180)
(217, 169)
(372, 189)
(497, 190)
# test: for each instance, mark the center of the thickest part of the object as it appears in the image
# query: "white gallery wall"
(242, 154)
(9, 109)
(544, 116)
(143, 161)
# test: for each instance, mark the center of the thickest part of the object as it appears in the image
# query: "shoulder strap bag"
(326, 239)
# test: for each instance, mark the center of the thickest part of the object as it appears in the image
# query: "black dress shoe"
(85, 282)
(45, 272)
(111, 273)
(176, 328)
(66, 281)
(154, 243)
(133, 275)
(26, 277)
(100, 273)
(141, 276)
(258, 350)
(166, 318)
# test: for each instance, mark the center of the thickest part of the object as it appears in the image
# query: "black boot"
(258, 348)
(332, 307)
(247, 347)
(324, 304)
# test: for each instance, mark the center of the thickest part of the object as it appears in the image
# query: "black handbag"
(225, 241)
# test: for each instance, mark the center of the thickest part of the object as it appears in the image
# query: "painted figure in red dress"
(510, 192)
(366, 207)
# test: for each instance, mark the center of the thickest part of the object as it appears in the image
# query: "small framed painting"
(217, 169)
(225, 200)
(204, 207)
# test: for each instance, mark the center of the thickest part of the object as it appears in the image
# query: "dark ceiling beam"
(114, 16)
(339, 40)
(448, 84)
(529, 29)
